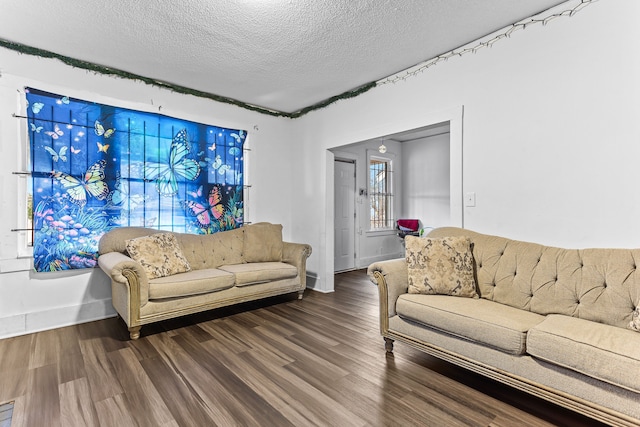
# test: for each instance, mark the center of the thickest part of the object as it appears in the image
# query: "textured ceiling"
(283, 55)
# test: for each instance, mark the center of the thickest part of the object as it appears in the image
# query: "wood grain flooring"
(319, 361)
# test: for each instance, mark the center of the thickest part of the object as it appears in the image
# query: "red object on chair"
(410, 224)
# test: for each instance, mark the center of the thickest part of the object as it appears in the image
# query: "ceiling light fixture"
(383, 148)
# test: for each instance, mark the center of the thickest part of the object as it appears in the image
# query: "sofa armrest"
(296, 254)
(124, 269)
(392, 279)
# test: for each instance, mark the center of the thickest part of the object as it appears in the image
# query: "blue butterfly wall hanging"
(96, 167)
(177, 166)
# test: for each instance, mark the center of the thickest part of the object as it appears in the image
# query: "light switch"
(470, 199)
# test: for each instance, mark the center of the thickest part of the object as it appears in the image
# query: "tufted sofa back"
(601, 285)
(213, 250)
(258, 242)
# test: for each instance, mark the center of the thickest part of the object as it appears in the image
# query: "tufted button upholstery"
(602, 285)
(220, 248)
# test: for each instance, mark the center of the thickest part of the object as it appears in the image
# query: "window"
(380, 194)
(24, 222)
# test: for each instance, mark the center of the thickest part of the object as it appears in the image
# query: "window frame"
(25, 189)
(389, 159)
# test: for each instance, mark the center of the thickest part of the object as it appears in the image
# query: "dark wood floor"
(280, 362)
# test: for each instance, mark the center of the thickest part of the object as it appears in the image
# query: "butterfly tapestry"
(57, 155)
(178, 166)
(55, 133)
(95, 167)
(91, 183)
(212, 209)
(101, 131)
(120, 195)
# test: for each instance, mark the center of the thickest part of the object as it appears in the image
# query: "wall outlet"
(470, 199)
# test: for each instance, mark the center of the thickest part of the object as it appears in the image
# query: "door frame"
(455, 117)
(349, 158)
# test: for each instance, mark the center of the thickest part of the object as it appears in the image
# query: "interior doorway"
(344, 214)
(418, 187)
(454, 117)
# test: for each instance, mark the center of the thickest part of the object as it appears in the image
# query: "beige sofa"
(225, 268)
(560, 324)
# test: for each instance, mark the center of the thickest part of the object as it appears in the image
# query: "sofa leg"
(134, 332)
(300, 294)
(388, 345)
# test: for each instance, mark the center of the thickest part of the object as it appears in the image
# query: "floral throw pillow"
(635, 320)
(440, 266)
(159, 254)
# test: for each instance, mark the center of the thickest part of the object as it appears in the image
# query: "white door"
(344, 215)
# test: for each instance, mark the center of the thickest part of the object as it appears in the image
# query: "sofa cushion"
(605, 352)
(260, 272)
(634, 324)
(213, 250)
(486, 322)
(190, 283)
(115, 240)
(159, 254)
(262, 242)
(440, 266)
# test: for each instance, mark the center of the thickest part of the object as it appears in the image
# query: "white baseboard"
(320, 290)
(28, 323)
(312, 282)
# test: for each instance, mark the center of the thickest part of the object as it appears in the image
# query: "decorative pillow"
(440, 266)
(263, 242)
(635, 320)
(159, 254)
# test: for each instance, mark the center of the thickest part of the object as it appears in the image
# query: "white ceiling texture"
(281, 55)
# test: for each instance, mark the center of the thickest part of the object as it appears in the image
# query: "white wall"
(32, 301)
(551, 133)
(551, 142)
(426, 180)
